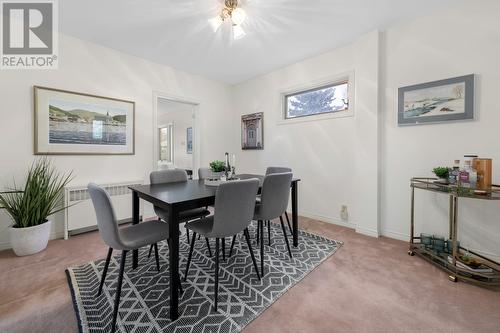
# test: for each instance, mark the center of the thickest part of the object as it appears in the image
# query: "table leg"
(135, 220)
(295, 219)
(174, 262)
(412, 221)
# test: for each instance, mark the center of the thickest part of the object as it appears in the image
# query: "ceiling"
(279, 32)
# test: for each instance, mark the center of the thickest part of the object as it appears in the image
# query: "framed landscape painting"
(71, 123)
(252, 131)
(438, 101)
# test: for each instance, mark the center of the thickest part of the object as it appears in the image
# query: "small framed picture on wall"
(252, 131)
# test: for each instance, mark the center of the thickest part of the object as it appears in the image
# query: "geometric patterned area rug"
(144, 303)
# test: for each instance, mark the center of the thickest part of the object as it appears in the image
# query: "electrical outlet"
(344, 215)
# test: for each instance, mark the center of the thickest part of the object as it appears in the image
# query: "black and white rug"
(144, 305)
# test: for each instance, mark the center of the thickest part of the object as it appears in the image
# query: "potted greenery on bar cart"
(31, 205)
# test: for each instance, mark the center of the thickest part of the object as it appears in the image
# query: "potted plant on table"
(31, 205)
(217, 168)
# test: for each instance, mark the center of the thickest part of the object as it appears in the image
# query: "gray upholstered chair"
(123, 239)
(234, 208)
(273, 203)
(271, 170)
(204, 173)
(172, 176)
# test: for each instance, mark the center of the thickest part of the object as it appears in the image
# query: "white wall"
(89, 68)
(463, 40)
(366, 161)
(335, 158)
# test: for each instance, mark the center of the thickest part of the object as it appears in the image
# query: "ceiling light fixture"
(230, 13)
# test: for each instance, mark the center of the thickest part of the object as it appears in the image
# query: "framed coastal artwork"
(189, 140)
(438, 101)
(252, 131)
(71, 123)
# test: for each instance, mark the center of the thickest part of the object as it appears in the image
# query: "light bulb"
(238, 32)
(216, 22)
(238, 16)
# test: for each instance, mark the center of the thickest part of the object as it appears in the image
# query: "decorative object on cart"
(454, 263)
(454, 173)
(483, 167)
(426, 240)
(449, 246)
(189, 140)
(442, 173)
(438, 244)
(71, 123)
(31, 205)
(437, 101)
(252, 131)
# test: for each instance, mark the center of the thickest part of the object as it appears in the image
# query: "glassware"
(438, 243)
(426, 240)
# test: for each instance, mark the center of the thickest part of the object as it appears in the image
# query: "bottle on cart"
(468, 176)
(454, 173)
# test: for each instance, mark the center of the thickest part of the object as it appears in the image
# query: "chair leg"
(193, 239)
(232, 246)
(150, 250)
(118, 290)
(187, 235)
(247, 237)
(216, 289)
(258, 231)
(288, 222)
(106, 265)
(223, 249)
(208, 247)
(261, 231)
(269, 232)
(286, 237)
(157, 257)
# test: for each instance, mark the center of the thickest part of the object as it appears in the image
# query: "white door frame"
(196, 137)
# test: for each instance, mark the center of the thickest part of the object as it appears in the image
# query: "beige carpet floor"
(369, 285)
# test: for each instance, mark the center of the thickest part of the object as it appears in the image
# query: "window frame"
(347, 77)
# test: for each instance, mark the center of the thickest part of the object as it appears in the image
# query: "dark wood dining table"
(177, 197)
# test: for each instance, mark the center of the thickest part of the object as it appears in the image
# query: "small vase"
(30, 240)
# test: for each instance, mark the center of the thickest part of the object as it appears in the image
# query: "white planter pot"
(31, 240)
(216, 174)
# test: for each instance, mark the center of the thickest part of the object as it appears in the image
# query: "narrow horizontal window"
(325, 99)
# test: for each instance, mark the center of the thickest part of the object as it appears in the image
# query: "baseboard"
(53, 235)
(327, 219)
(396, 235)
(367, 231)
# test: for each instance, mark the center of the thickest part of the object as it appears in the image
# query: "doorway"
(175, 132)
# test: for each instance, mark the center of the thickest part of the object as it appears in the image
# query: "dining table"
(180, 196)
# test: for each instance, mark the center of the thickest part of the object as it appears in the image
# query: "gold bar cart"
(456, 272)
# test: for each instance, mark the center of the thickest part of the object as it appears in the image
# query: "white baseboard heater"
(80, 217)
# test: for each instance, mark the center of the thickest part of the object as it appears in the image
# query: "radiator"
(80, 216)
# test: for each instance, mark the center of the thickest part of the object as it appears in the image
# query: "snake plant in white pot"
(30, 206)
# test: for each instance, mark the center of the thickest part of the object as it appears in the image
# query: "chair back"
(168, 176)
(204, 173)
(271, 170)
(106, 217)
(274, 195)
(234, 207)
(165, 177)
